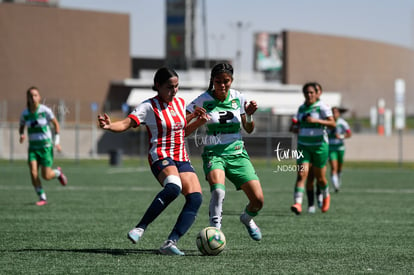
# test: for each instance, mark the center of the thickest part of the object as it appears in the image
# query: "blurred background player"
(310, 179)
(37, 118)
(313, 117)
(165, 118)
(311, 192)
(337, 146)
(224, 154)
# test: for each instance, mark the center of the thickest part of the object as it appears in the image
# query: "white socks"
(216, 207)
(335, 181)
(57, 173)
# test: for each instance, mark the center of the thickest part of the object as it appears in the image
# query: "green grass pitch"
(368, 230)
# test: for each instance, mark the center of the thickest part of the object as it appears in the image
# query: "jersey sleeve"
(295, 118)
(243, 101)
(49, 114)
(140, 113)
(326, 111)
(22, 122)
(346, 126)
(198, 101)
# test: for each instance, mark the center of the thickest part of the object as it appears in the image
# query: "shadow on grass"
(113, 252)
(278, 212)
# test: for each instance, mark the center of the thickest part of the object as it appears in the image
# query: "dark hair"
(318, 85)
(218, 69)
(162, 75)
(310, 84)
(27, 95)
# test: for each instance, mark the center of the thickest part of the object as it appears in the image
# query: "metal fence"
(83, 139)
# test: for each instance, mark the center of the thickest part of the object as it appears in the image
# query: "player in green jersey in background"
(37, 118)
(313, 118)
(337, 146)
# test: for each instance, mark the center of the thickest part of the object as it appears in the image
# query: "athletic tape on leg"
(173, 179)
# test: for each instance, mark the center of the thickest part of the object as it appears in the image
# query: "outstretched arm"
(118, 126)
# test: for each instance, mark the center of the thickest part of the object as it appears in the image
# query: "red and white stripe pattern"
(165, 124)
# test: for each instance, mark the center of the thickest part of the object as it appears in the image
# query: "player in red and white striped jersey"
(165, 118)
(165, 122)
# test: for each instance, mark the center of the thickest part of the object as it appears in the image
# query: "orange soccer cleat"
(296, 208)
(326, 203)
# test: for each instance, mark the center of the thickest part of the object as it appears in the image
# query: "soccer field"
(369, 228)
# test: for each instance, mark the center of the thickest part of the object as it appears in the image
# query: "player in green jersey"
(37, 118)
(313, 118)
(224, 111)
(337, 146)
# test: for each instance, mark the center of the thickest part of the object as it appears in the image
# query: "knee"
(173, 185)
(46, 175)
(257, 203)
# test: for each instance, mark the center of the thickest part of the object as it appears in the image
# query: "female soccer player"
(165, 119)
(37, 117)
(224, 154)
(337, 147)
(313, 118)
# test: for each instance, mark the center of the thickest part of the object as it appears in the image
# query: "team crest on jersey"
(209, 164)
(164, 162)
(177, 126)
(173, 113)
(234, 104)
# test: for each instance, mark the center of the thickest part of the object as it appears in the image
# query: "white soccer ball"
(211, 241)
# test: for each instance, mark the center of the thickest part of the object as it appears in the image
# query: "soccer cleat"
(252, 229)
(326, 203)
(135, 234)
(311, 209)
(41, 203)
(296, 208)
(170, 248)
(62, 178)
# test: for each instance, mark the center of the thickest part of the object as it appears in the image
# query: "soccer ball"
(211, 241)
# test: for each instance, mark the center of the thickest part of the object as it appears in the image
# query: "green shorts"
(337, 155)
(317, 155)
(238, 168)
(43, 156)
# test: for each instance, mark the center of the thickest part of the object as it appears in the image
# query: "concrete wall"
(363, 71)
(69, 55)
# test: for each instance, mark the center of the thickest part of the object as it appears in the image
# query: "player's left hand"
(250, 108)
(58, 148)
(201, 114)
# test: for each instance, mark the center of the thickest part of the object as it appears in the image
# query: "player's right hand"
(104, 121)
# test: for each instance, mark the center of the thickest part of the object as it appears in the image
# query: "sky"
(387, 21)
